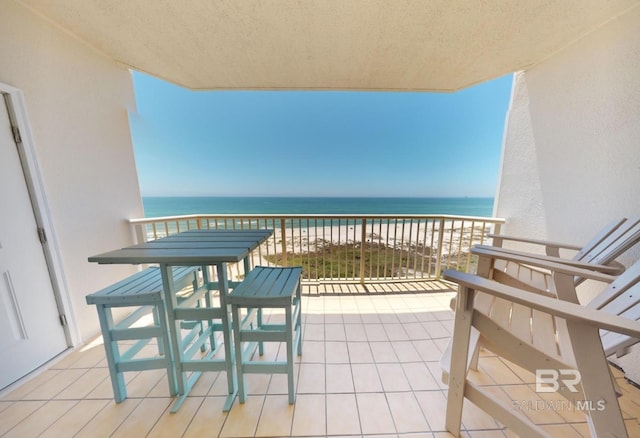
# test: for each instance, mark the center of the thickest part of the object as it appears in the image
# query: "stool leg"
(289, 337)
(299, 318)
(112, 353)
(212, 339)
(156, 321)
(226, 331)
(237, 343)
(164, 328)
(260, 343)
(208, 303)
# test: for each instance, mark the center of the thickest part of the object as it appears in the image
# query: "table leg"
(209, 303)
(226, 333)
(247, 265)
(183, 384)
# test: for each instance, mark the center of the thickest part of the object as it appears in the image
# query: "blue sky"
(318, 143)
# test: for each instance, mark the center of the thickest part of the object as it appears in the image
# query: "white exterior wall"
(571, 160)
(77, 101)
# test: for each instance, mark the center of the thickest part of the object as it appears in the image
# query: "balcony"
(376, 322)
(370, 367)
(570, 146)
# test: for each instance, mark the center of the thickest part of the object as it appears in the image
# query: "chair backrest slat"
(623, 289)
(599, 238)
(621, 297)
(611, 242)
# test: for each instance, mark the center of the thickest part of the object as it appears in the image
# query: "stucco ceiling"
(329, 44)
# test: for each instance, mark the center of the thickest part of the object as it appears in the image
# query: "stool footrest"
(135, 333)
(199, 313)
(141, 364)
(258, 335)
(265, 367)
(274, 327)
(202, 365)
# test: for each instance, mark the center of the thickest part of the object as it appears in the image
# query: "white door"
(31, 332)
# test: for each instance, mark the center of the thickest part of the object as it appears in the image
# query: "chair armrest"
(551, 306)
(546, 243)
(559, 264)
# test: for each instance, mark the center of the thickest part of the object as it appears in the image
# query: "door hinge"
(63, 320)
(42, 235)
(16, 134)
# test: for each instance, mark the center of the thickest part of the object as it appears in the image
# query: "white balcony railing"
(351, 248)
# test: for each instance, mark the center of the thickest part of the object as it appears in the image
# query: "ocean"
(171, 206)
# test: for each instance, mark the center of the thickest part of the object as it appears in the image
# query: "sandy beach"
(401, 236)
(402, 239)
(416, 241)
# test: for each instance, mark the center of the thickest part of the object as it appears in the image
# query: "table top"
(195, 247)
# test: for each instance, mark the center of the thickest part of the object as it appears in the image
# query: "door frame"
(42, 214)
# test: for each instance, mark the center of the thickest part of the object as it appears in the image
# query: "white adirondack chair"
(540, 332)
(613, 240)
(513, 267)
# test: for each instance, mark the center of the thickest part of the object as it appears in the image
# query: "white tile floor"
(370, 367)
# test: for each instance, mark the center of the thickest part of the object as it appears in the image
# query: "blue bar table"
(208, 249)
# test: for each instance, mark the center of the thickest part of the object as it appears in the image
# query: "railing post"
(363, 237)
(139, 233)
(440, 242)
(497, 241)
(283, 234)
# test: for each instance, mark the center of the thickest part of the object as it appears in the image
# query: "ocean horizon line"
(319, 196)
(183, 205)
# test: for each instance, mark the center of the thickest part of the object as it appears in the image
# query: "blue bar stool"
(266, 288)
(143, 291)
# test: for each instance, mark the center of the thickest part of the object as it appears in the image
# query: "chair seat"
(266, 286)
(143, 287)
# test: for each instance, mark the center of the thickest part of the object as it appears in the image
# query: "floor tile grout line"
(344, 324)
